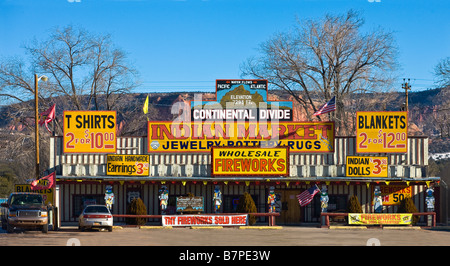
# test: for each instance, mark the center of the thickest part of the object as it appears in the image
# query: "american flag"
(330, 106)
(307, 196)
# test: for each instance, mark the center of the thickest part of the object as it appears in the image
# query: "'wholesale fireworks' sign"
(250, 161)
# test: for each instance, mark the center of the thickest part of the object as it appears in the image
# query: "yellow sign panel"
(300, 137)
(393, 194)
(379, 218)
(365, 166)
(381, 132)
(127, 165)
(47, 194)
(89, 132)
(249, 161)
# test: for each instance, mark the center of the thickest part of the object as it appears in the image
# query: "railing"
(328, 214)
(271, 216)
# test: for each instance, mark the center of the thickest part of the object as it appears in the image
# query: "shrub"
(247, 205)
(353, 205)
(136, 207)
(407, 206)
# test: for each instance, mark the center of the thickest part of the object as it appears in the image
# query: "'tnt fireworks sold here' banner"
(204, 220)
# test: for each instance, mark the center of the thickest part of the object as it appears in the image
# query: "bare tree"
(86, 70)
(442, 71)
(323, 58)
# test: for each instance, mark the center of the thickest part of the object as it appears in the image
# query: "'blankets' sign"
(204, 220)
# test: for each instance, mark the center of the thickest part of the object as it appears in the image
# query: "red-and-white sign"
(204, 220)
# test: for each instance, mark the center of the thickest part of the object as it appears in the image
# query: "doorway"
(290, 212)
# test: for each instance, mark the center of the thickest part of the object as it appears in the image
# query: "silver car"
(95, 216)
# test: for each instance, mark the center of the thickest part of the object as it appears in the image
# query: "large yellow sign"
(127, 165)
(379, 218)
(300, 137)
(367, 166)
(89, 132)
(47, 194)
(381, 132)
(393, 194)
(249, 161)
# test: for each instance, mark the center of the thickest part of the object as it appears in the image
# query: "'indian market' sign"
(205, 220)
(381, 132)
(250, 162)
(300, 137)
(241, 116)
(89, 132)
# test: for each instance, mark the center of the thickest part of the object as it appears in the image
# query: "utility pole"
(406, 87)
(36, 118)
(36, 122)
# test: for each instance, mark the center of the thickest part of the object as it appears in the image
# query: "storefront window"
(81, 201)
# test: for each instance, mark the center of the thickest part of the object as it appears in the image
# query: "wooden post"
(36, 124)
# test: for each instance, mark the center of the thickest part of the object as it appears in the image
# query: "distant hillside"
(132, 121)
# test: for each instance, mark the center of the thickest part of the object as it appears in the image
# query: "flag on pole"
(47, 116)
(145, 108)
(330, 106)
(45, 182)
(307, 196)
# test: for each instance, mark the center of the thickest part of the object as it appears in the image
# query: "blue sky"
(187, 45)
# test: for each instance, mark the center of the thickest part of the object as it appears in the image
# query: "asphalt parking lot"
(246, 236)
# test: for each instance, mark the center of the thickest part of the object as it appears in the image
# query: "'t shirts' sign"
(89, 132)
(381, 132)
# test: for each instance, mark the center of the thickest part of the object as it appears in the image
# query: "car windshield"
(96, 209)
(26, 199)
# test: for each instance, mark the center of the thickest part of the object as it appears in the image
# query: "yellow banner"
(381, 132)
(47, 194)
(379, 218)
(393, 194)
(127, 165)
(367, 166)
(89, 132)
(300, 137)
(249, 161)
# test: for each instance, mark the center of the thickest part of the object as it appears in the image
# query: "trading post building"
(241, 142)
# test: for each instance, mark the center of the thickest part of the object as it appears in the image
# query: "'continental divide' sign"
(300, 137)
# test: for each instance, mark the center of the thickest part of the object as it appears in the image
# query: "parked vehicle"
(95, 216)
(25, 210)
